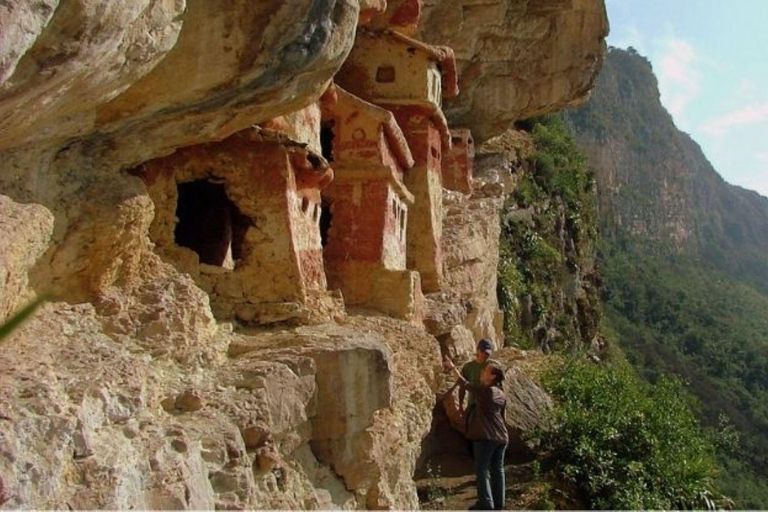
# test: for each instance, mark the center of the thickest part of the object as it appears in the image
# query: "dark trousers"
(489, 470)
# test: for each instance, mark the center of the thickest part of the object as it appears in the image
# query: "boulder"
(528, 405)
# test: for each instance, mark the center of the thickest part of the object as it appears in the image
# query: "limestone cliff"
(238, 252)
(655, 182)
(517, 59)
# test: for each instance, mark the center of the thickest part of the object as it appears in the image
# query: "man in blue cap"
(471, 371)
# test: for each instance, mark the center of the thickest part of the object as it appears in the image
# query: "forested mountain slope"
(655, 181)
(685, 260)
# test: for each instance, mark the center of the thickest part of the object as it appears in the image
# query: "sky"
(711, 61)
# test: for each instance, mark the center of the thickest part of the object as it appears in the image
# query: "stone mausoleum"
(367, 205)
(241, 216)
(410, 79)
(339, 199)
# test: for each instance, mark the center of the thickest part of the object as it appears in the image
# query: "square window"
(385, 74)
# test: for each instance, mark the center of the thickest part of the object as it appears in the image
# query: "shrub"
(627, 444)
(527, 193)
(560, 167)
(552, 206)
(544, 261)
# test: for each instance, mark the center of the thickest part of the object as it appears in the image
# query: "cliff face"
(517, 60)
(655, 182)
(183, 72)
(175, 372)
(549, 281)
(684, 260)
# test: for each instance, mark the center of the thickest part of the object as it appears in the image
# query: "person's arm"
(463, 382)
(448, 364)
(462, 390)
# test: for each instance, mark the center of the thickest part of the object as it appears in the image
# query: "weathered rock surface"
(189, 71)
(126, 392)
(471, 254)
(517, 58)
(528, 406)
(26, 230)
(470, 247)
(93, 419)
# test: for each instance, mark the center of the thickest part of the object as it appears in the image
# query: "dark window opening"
(326, 219)
(314, 160)
(435, 153)
(326, 139)
(385, 74)
(209, 222)
(304, 204)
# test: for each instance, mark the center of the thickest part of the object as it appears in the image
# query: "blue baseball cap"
(485, 345)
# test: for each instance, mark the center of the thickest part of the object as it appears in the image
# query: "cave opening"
(210, 224)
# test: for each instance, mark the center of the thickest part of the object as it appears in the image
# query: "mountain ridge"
(657, 183)
(684, 259)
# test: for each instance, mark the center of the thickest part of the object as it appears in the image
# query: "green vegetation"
(676, 315)
(685, 263)
(627, 444)
(548, 230)
(561, 169)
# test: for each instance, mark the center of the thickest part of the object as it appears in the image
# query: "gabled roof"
(394, 135)
(443, 55)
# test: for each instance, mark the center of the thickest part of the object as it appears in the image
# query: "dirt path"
(526, 489)
(458, 491)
